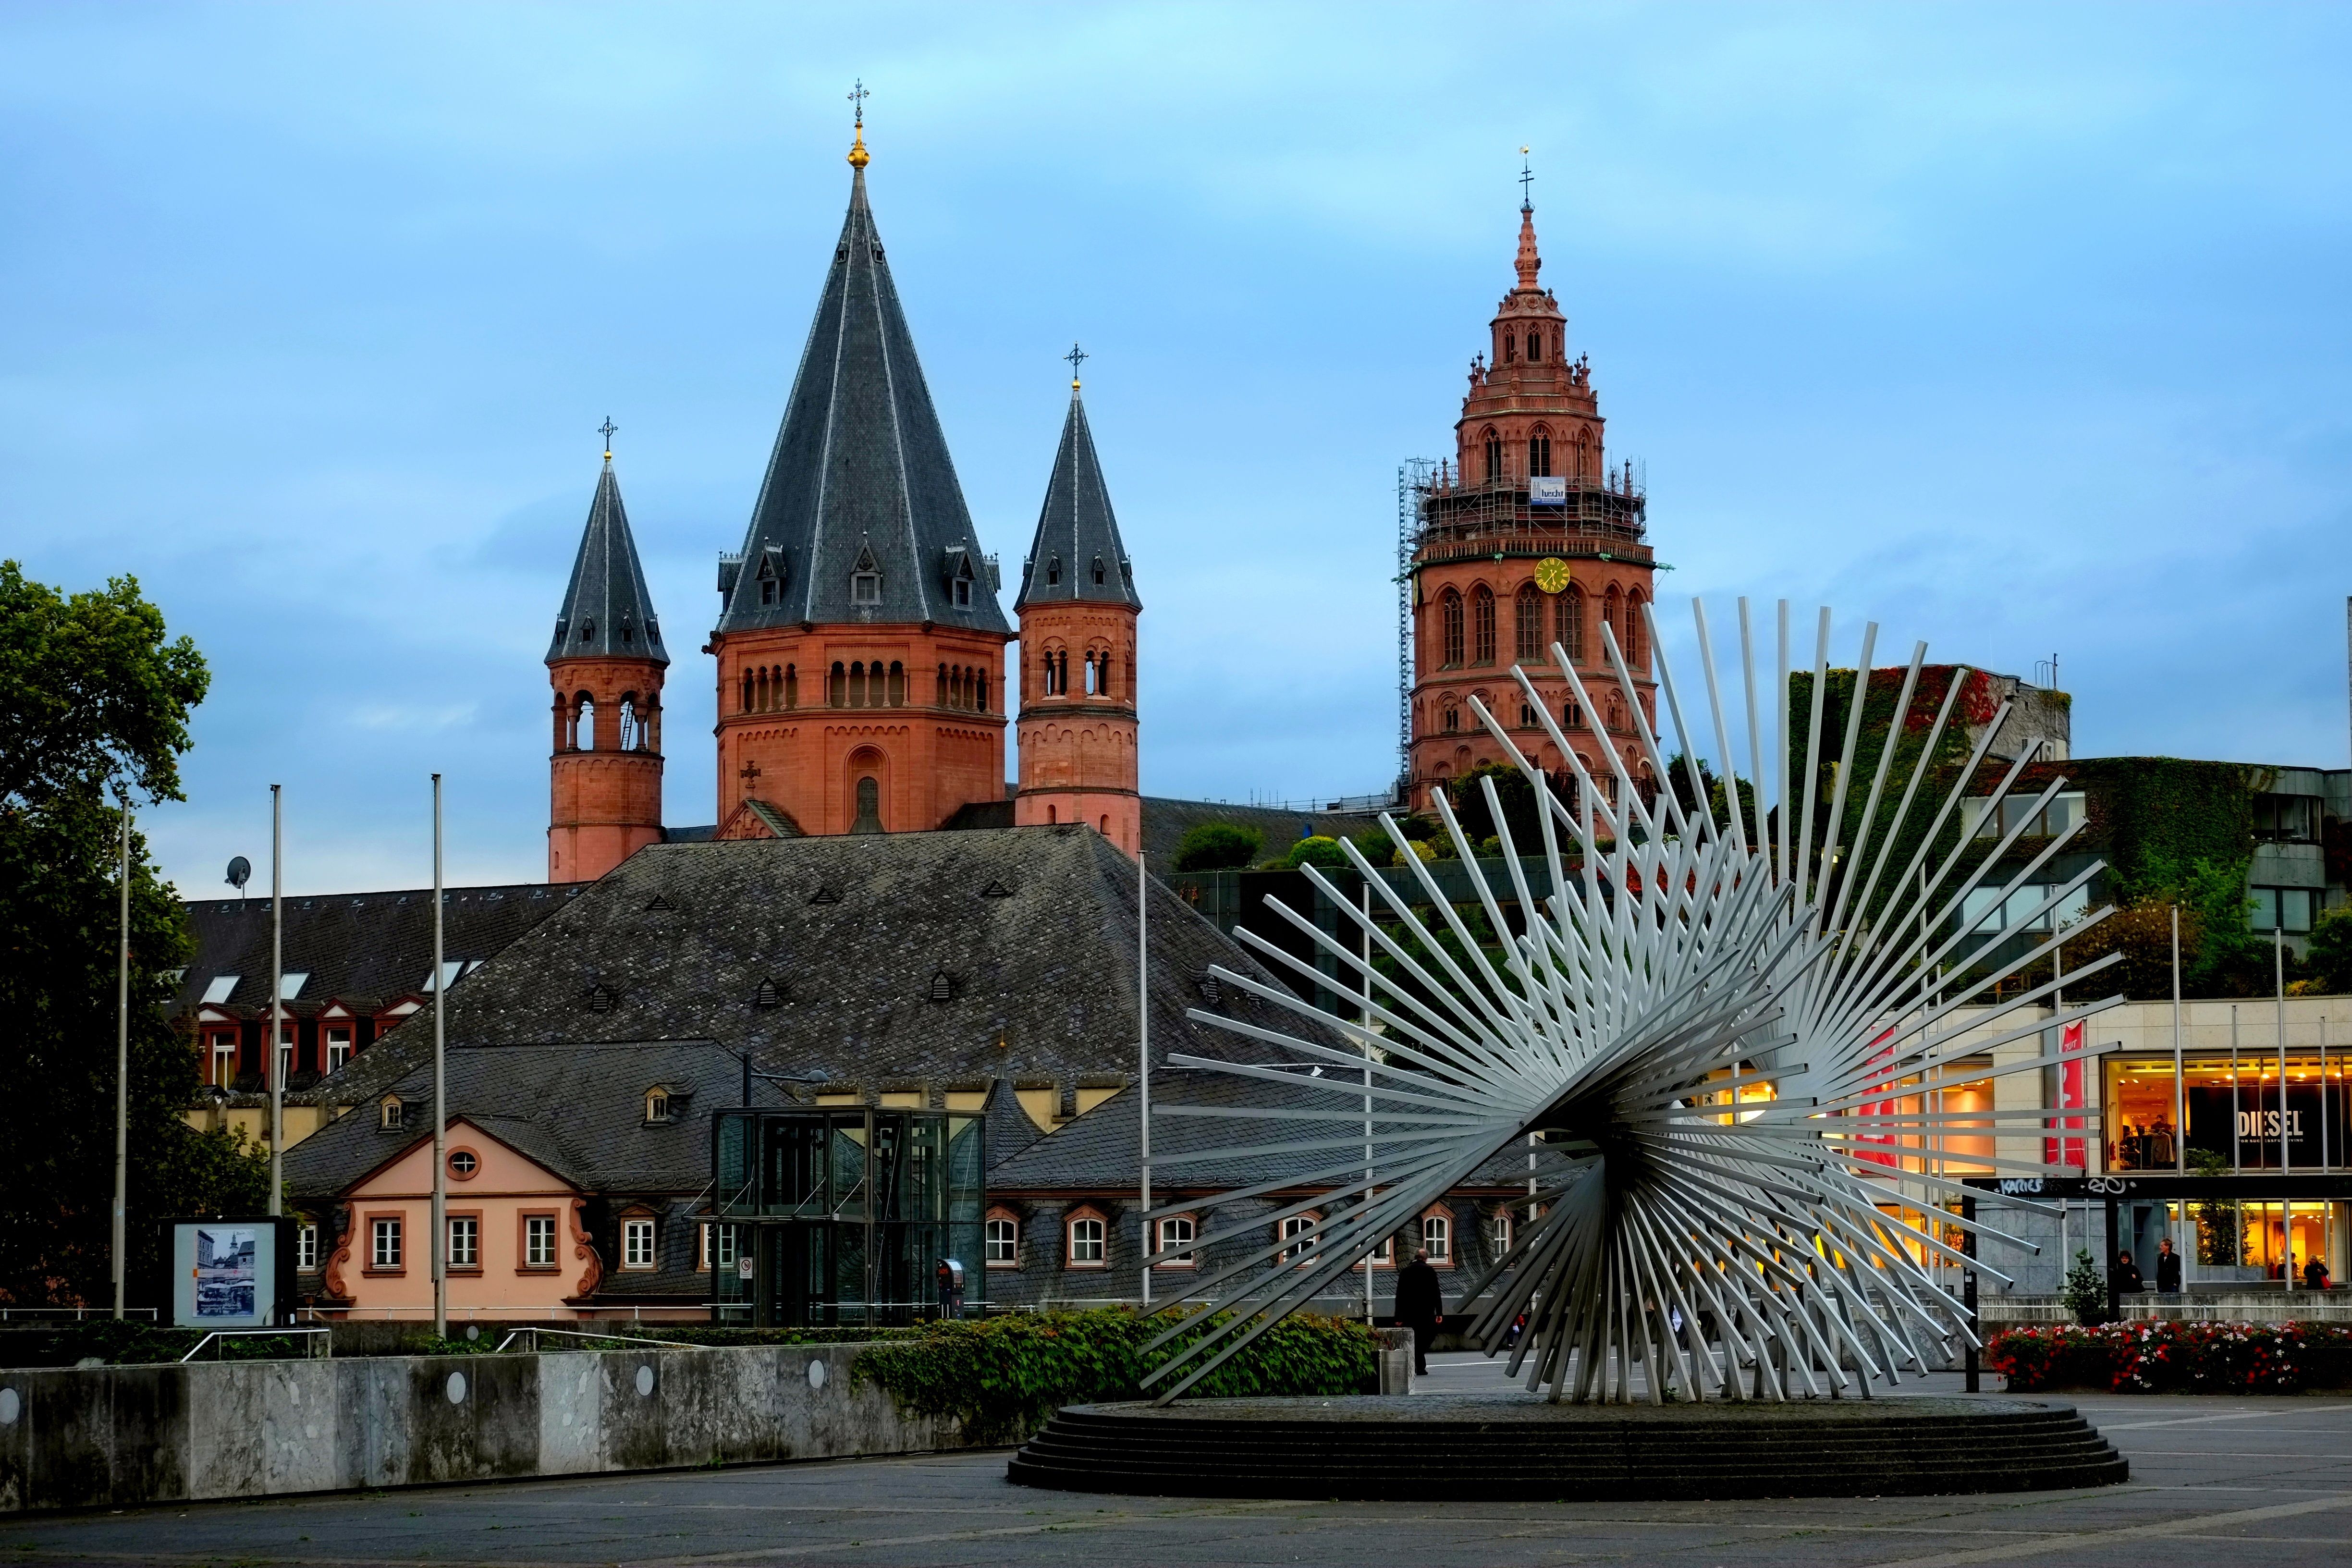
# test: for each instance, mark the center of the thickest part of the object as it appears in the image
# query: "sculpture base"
(1521, 1447)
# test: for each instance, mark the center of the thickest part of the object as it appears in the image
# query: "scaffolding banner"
(1547, 489)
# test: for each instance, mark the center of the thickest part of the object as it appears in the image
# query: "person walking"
(2167, 1269)
(1420, 1306)
(2127, 1273)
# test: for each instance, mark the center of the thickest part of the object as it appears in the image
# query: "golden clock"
(1552, 574)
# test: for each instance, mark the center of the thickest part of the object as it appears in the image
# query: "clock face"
(1552, 574)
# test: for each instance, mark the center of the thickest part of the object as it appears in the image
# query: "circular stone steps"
(1524, 1448)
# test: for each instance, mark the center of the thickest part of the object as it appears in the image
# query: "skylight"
(450, 970)
(289, 985)
(217, 992)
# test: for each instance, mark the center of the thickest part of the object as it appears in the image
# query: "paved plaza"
(2242, 1481)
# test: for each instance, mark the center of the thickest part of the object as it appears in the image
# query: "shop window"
(637, 1243)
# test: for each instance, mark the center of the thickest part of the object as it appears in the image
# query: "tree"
(1218, 847)
(92, 696)
(2330, 959)
(1518, 796)
(2086, 1291)
(1317, 851)
(2143, 934)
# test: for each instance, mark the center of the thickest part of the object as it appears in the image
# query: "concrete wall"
(114, 1436)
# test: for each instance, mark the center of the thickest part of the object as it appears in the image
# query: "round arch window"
(463, 1163)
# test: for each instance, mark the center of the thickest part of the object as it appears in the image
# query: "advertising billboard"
(232, 1273)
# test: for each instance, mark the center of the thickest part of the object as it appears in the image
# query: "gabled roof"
(607, 610)
(1076, 533)
(860, 466)
(1031, 929)
(576, 1109)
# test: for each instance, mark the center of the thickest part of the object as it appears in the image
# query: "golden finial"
(859, 156)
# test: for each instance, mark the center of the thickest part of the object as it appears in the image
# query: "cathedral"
(860, 643)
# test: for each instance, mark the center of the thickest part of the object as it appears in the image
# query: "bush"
(1003, 1377)
(2331, 951)
(1217, 846)
(2162, 1357)
(1422, 849)
(2086, 1290)
(1319, 850)
(1372, 843)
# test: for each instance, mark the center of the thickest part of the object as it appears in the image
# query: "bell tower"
(606, 664)
(1078, 610)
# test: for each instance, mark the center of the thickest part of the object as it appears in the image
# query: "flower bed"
(2164, 1357)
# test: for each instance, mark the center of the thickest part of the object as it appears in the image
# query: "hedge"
(2166, 1357)
(1003, 1377)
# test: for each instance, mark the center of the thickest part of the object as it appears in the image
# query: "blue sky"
(2022, 331)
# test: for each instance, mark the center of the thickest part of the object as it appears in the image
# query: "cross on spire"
(1526, 178)
(857, 97)
(1077, 356)
(606, 430)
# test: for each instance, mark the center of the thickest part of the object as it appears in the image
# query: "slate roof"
(577, 1109)
(1076, 530)
(1166, 821)
(1030, 930)
(860, 470)
(362, 948)
(607, 610)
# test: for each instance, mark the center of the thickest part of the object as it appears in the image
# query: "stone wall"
(117, 1436)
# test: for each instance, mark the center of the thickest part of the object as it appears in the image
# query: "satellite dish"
(240, 870)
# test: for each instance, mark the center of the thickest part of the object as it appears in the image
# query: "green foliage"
(1467, 796)
(89, 691)
(2168, 1357)
(1319, 850)
(134, 1343)
(2221, 1224)
(1217, 846)
(2143, 934)
(2086, 1290)
(1003, 1377)
(2330, 959)
(1374, 845)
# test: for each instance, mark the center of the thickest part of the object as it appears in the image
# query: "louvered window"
(601, 998)
(942, 987)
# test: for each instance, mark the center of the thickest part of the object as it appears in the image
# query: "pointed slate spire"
(1077, 553)
(608, 611)
(860, 463)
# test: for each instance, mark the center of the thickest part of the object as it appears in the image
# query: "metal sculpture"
(1730, 1014)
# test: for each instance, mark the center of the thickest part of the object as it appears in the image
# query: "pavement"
(2245, 1482)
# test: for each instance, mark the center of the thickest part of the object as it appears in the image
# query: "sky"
(2022, 331)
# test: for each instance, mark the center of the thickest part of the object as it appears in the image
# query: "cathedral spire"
(1077, 552)
(608, 611)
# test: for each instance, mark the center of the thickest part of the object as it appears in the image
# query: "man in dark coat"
(2168, 1268)
(1420, 1306)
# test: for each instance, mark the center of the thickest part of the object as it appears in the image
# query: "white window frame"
(465, 1241)
(224, 1062)
(1005, 1231)
(384, 1242)
(339, 1051)
(1179, 1234)
(1499, 1231)
(639, 1250)
(721, 1244)
(1300, 1226)
(306, 1245)
(1083, 1234)
(537, 1227)
(1437, 1238)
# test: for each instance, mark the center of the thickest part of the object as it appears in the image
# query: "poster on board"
(232, 1273)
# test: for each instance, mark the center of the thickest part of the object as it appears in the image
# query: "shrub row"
(1003, 1377)
(2164, 1357)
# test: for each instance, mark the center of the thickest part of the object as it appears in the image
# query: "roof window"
(588, 630)
(1053, 571)
(1213, 990)
(942, 987)
(996, 890)
(601, 998)
(217, 989)
(450, 970)
(388, 1112)
(660, 903)
(825, 896)
(771, 994)
(290, 984)
(1100, 573)
(865, 579)
(657, 1101)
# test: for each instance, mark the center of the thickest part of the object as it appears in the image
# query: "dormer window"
(771, 578)
(388, 1114)
(628, 630)
(1053, 571)
(588, 630)
(865, 579)
(656, 1106)
(1099, 572)
(960, 592)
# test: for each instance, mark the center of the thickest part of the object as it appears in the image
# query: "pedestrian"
(2315, 1275)
(2127, 1273)
(1420, 1306)
(2167, 1269)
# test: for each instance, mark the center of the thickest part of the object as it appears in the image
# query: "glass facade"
(847, 1215)
(2236, 1117)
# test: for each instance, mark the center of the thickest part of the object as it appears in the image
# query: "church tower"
(607, 665)
(1077, 609)
(1527, 537)
(860, 643)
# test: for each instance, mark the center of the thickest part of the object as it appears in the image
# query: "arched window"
(1450, 621)
(1098, 571)
(837, 692)
(1299, 1230)
(1001, 1239)
(1087, 677)
(1616, 714)
(748, 688)
(1567, 622)
(1535, 345)
(1062, 672)
(1609, 616)
(1453, 718)
(1526, 623)
(944, 686)
(632, 737)
(1048, 688)
(1494, 442)
(1437, 1227)
(1511, 348)
(1527, 715)
(1053, 571)
(1584, 454)
(1572, 717)
(869, 806)
(791, 686)
(1635, 632)
(1088, 1244)
(1482, 625)
(1539, 453)
(1051, 815)
(980, 693)
(584, 723)
(897, 684)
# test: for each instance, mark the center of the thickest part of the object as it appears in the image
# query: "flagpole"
(277, 1004)
(122, 1069)
(440, 1106)
(1143, 1047)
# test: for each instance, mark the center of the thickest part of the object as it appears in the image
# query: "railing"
(72, 1314)
(1627, 481)
(314, 1341)
(579, 1334)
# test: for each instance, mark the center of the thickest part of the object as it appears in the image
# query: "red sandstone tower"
(1078, 609)
(1527, 538)
(607, 665)
(860, 643)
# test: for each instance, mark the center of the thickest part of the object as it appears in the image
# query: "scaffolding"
(1413, 479)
